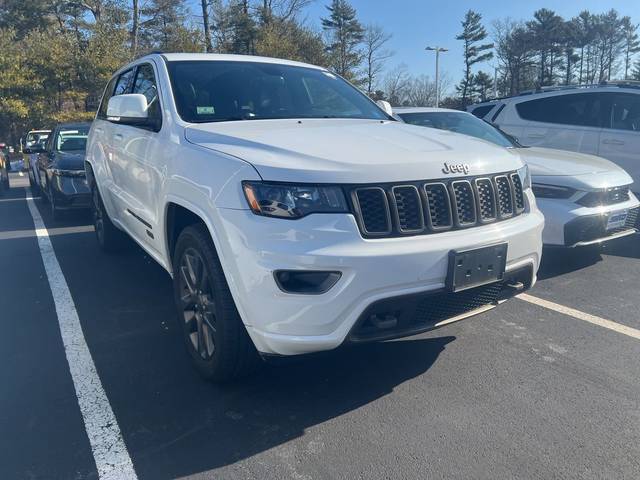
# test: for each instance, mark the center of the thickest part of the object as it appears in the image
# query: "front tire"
(212, 330)
(55, 211)
(110, 238)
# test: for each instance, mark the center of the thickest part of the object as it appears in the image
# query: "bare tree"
(396, 84)
(375, 54)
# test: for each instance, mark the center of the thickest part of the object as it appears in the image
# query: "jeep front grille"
(420, 208)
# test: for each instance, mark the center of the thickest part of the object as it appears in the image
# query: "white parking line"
(109, 451)
(587, 317)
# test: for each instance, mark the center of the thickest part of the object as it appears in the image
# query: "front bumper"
(71, 192)
(568, 224)
(253, 247)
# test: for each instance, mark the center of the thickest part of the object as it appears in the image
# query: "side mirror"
(386, 106)
(129, 109)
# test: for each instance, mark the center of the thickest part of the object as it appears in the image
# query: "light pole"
(437, 50)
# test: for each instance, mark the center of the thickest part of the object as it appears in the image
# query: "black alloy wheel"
(197, 303)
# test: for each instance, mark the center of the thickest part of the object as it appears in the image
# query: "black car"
(61, 168)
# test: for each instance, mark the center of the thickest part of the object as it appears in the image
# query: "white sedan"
(585, 199)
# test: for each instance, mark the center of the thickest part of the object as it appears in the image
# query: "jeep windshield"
(221, 91)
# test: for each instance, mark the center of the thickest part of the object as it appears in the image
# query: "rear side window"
(580, 109)
(481, 111)
(624, 112)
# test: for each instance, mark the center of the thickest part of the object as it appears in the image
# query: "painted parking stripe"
(109, 451)
(587, 317)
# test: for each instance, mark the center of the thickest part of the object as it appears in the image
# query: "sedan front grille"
(610, 196)
(420, 208)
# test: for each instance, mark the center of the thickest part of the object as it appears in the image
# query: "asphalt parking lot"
(522, 391)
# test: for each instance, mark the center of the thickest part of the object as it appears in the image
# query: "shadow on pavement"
(625, 247)
(560, 261)
(226, 424)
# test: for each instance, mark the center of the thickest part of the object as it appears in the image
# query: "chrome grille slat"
(518, 194)
(486, 199)
(464, 203)
(438, 206)
(505, 196)
(408, 208)
(415, 208)
(374, 210)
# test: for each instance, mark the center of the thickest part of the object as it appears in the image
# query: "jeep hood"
(571, 169)
(349, 151)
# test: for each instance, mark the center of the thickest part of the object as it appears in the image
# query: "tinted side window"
(116, 86)
(581, 109)
(122, 86)
(480, 112)
(624, 113)
(145, 84)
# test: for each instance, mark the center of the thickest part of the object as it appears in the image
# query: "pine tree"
(345, 33)
(482, 85)
(631, 43)
(472, 33)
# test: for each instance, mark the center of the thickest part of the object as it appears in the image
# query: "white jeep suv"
(294, 214)
(601, 120)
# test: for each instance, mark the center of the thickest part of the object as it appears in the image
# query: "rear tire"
(110, 238)
(212, 330)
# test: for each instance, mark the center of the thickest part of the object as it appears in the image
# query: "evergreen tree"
(631, 43)
(345, 33)
(482, 85)
(474, 52)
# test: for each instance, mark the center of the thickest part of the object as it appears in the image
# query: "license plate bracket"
(476, 267)
(617, 219)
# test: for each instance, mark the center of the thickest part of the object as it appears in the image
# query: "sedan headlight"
(552, 191)
(282, 200)
(525, 176)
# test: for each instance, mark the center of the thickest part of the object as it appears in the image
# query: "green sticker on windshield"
(205, 110)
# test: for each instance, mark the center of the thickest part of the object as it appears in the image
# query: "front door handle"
(612, 141)
(535, 135)
(118, 137)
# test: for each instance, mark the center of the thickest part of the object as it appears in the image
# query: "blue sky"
(417, 23)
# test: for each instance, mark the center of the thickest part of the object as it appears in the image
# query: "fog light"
(306, 282)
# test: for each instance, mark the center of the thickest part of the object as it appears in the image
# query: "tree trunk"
(134, 27)
(205, 24)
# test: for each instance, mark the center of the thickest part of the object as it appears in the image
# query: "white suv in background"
(296, 215)
(602, 120)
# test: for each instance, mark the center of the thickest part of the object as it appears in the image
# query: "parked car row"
(296, 215)
(56, 167)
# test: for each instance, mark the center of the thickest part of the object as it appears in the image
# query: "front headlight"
(525, 176)
(552, 191)
(282, 200)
